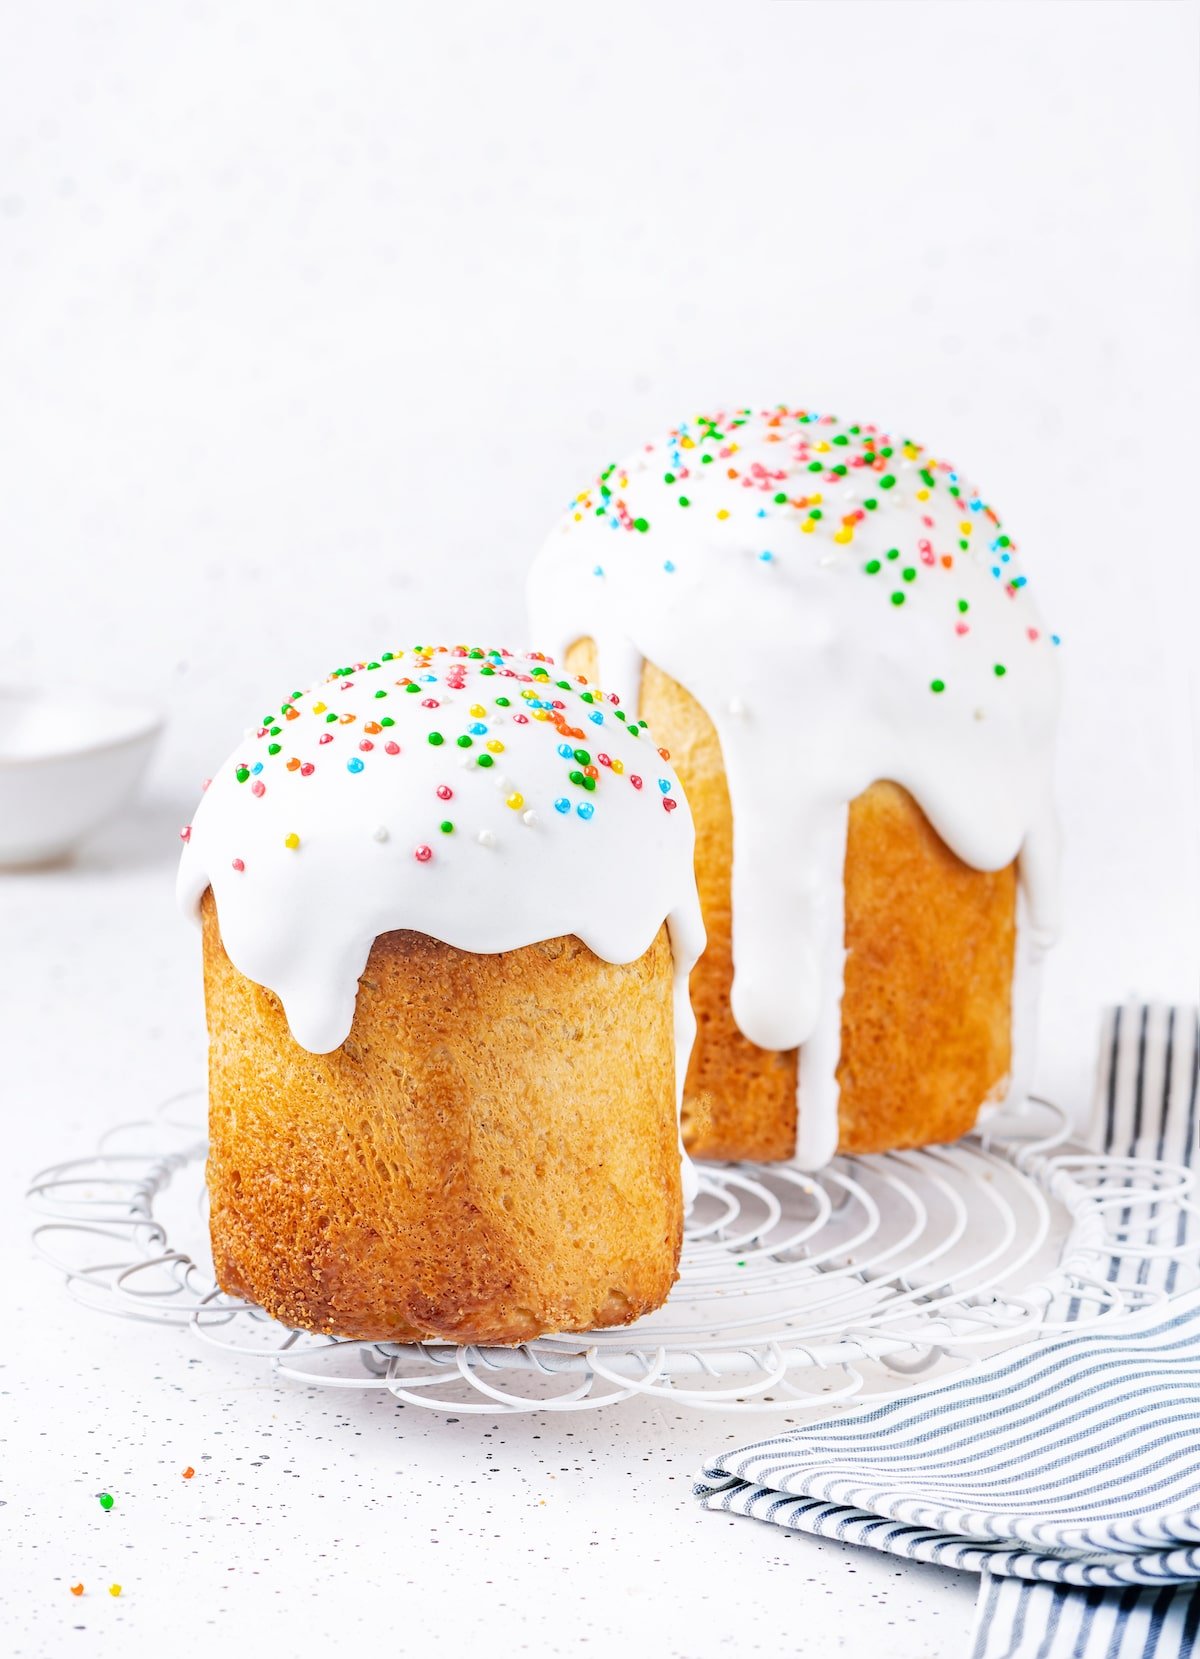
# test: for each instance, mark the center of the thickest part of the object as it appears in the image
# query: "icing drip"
(481, 798)
(846, 607)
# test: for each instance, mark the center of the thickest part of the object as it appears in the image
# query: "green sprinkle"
(582, 756)
(872, 567)
(387, 721)
(683, 501)
(927, 478)
(242, 773)
(887, 482)
(484, 760)
(963, 606)
(643, 524)
(106, 1500)
(503, 702)
(871, 504)
(668, 477)
(897, 599)
(381, 694)
(893, 552)
(937, 685)
(909, 574)
(446, 827)
(814, 466)
(272, 748)
(412, 686)
(780, 498)
(706, 458)
(1000, 671)
(330, 718)
(436, 739)
(464, 742)
(839, 471)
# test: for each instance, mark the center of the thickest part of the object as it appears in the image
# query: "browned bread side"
(926, 1010)
(492, 1153)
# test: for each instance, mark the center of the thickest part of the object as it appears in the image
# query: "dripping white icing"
(838, 628)
(522, 863)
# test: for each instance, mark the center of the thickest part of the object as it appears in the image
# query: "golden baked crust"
(491, 1154)
(926, 1008)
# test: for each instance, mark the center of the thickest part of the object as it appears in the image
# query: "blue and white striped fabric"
(1067, 1474)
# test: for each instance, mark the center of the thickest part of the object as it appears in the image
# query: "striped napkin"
(1066, 1473)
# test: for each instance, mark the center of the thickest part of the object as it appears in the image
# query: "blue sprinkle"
(995, 570)
(598, 570)
(1054, 639)
(766, 557)
(477, 728)
(257, 767)
(562, 804)
(976, 506)
(665, 785)
(431, 678)
(585, 809)
(762, 512)
(1019, 581)
(668, 567)
(566, 751)
(354, 765)
(597, 719)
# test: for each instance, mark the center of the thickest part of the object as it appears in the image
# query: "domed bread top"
(846, 607)
(482, 798)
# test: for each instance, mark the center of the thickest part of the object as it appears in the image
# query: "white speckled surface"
(317, 1516)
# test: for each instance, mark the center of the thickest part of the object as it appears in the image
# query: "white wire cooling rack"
(795, 1291)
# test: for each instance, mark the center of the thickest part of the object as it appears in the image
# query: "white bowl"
(67, 762)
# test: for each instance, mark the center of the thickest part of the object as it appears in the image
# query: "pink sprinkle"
(927, 521)
(307, 770)
(1032, 632)
(444, 792)
(635, 780)
(392, 748)
(962, 628)
(520, 719)
(258, 787)
(205, 785)
(604, 760)
(238, 865)
(366, 743)
(430, 703)
(325, 737)
(668, 804)
(423, 854)
(185, 833)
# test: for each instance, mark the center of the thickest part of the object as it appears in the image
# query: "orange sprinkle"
(188, 1472)
(77, 1589)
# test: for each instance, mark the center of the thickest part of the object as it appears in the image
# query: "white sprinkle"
(530, 818)
(486, 838)
(380, 832)
(828, 559)
(736, 707)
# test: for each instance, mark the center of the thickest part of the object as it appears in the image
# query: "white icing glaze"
(532, 854)
(812, 612)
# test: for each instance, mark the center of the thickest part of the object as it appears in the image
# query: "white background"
(311, 319)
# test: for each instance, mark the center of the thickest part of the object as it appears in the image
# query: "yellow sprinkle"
(822, 448)
(292, 840)
(578, 517)
(478, 711)
(922, 495)
(319, 708)
(844, 535)
(618, 766)
(496, 747)
(808, 526)
(723, 512)
(686, 443)
(966, 527)
(528, 691)
(540, 714)
(516, 802)
(911, 451)
(816, 500)
(114, 1589)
